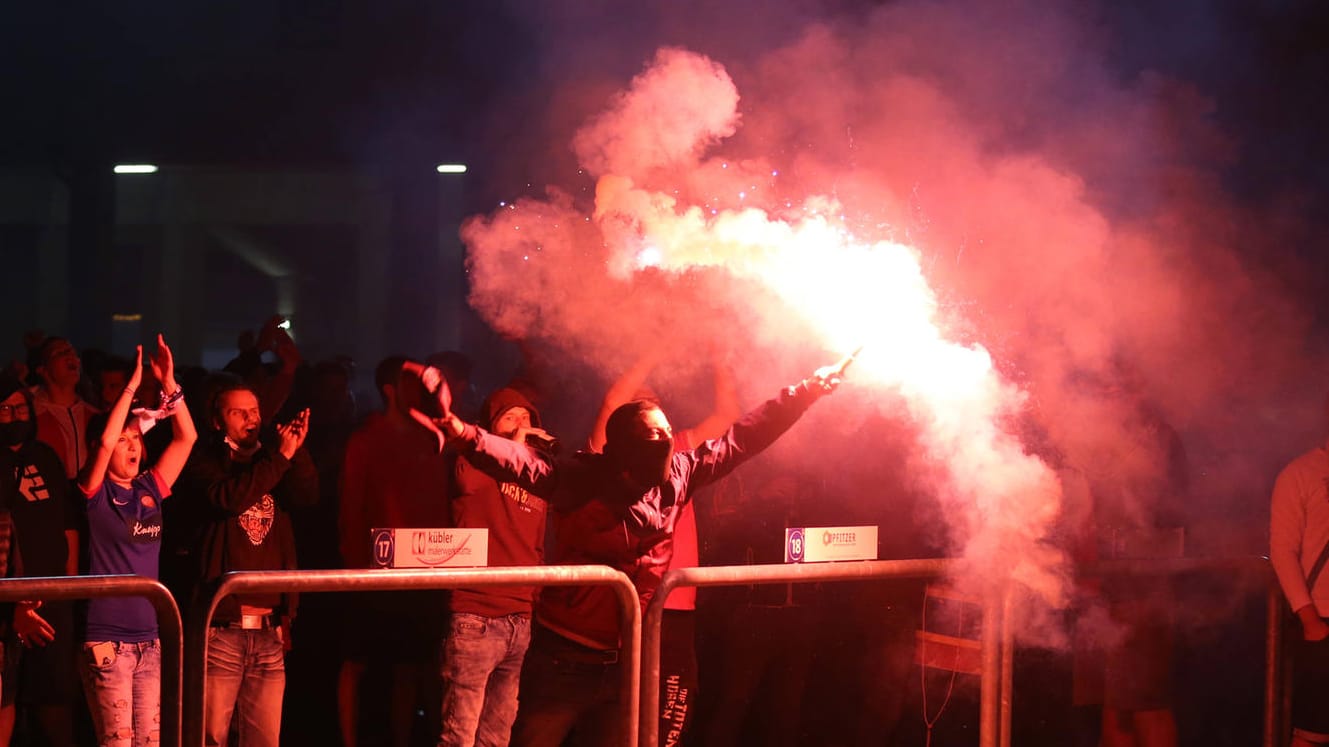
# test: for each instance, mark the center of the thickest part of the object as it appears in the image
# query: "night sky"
(382, 85)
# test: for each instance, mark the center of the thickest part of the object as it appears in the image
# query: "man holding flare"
(618, 509)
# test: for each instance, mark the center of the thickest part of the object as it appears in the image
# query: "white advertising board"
(411, 547)
(825, 544)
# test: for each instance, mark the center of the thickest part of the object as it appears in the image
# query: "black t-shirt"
(40, 499)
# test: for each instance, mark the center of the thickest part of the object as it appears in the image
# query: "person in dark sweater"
(40, 677)
(241, 489)
(491, 626)
(620, 509)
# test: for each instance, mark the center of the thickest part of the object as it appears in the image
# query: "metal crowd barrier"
(742, 575)
(388, 580)
(183, 718)
(168, 624)
(998, 647)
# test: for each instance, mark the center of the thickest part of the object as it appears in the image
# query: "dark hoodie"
(44, 513)
(515, 520)
(38, 495)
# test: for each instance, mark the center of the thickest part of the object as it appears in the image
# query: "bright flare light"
(451, 168)
(649, 256)
(875, 295)
(135, 168)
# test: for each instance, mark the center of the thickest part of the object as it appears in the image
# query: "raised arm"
(621, 392)
(759, 428)
(724, 407)
(95, 470)
(277, 388)
(175, 455)
(501, 458)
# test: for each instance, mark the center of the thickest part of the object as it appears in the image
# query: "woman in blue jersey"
(121, 655)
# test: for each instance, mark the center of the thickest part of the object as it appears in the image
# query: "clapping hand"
(292, 435)
(163, 366)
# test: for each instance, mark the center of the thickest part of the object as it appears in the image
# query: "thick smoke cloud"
(1038, 252)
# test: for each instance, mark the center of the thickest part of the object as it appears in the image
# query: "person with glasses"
(41, 679)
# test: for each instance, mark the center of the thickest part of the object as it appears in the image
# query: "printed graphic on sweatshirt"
(524, 500)
(257, 520)
(31, 485)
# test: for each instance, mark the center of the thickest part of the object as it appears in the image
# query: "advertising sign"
(410, 547)
(825, 544)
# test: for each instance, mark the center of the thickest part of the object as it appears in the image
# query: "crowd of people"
(97, 488)
(103, 471)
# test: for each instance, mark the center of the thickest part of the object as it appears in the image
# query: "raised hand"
(163, 366)
(136, 376)
(286, 349)
(267, 336)
(291, 436)
(437, 413)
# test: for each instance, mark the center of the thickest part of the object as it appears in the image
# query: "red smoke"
(947, 184)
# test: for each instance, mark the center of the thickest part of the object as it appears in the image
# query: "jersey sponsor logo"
(147, 531)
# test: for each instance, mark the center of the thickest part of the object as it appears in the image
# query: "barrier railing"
(997, 692)
(183, 718)
(168, 625)
(741, 575)
(388, 580)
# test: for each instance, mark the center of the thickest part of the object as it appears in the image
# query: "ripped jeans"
(123, 685)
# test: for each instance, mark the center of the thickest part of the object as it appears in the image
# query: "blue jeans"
(123, 682)
(481, 673)
(247, 677)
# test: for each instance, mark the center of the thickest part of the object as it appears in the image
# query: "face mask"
(16, 432)
(646, 462)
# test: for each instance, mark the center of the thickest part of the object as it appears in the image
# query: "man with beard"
(620, 509)
(241, 489)
(36, 492)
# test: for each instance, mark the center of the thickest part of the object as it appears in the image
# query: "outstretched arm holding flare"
(447, 426)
